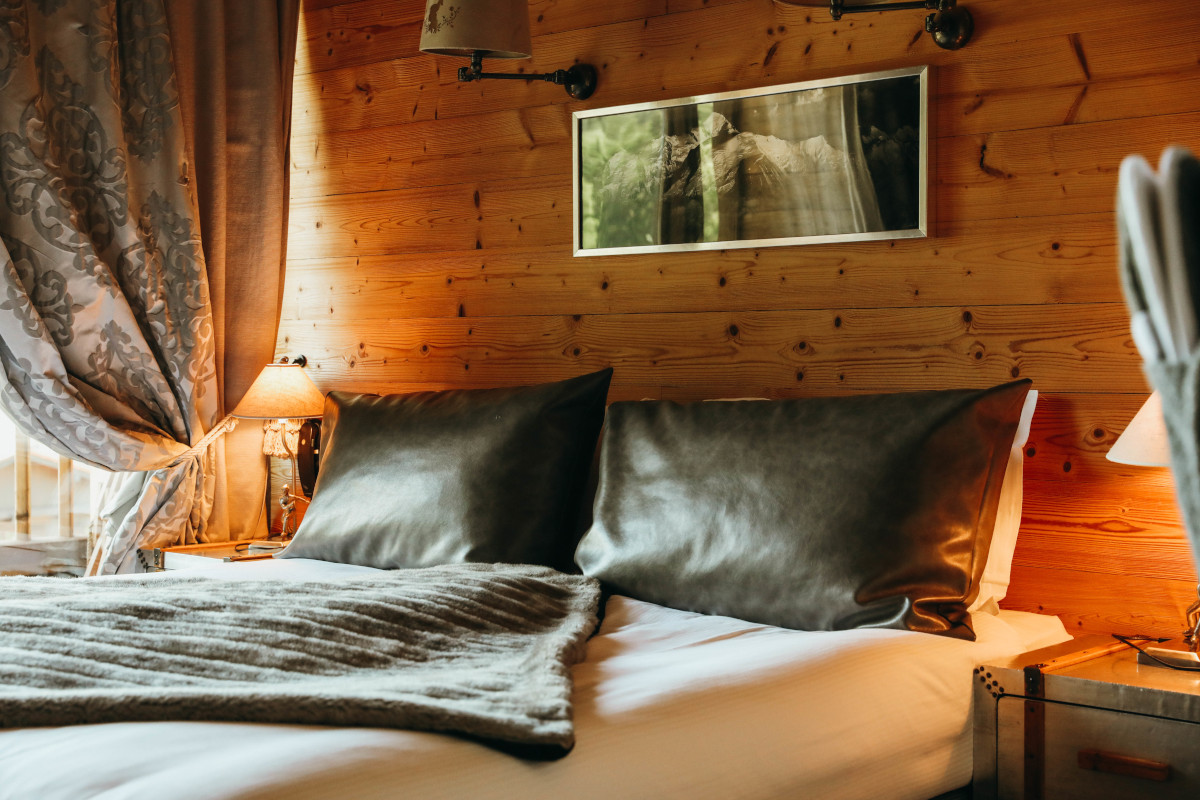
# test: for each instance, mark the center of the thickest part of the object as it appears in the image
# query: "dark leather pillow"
(815, 513)
(485, 475)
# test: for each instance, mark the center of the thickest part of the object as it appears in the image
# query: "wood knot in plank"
(1073, 111)
(770, 54)
(1080, 56)
(987, 168)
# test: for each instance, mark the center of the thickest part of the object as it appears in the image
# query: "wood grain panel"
(1066, 259)
(351, 34)
(373, 95)
(1086, 513)
(360, 33)
(312, 5)
(506, 144)
(1091, 602)
(431, 238)
(763, 353)
(997, 24)
(519, 213)
(1026, 173)
(1009, 174)
(1072, 433)
(1096, 100)
(1076, 527)
(680, 55)
(537, 141)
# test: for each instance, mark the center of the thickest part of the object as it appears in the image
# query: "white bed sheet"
(668, 704)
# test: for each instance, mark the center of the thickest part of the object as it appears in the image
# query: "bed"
(668, 703)
(807, 680)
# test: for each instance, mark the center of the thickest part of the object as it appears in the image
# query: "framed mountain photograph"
(835, 160)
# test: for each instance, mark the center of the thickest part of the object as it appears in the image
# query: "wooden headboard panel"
(430, 242)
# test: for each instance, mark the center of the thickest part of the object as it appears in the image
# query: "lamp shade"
(492, 28)
(281, 391)
(1144, 441)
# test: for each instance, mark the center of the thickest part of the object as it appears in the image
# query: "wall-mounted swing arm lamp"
(479, 29)
(950, 25)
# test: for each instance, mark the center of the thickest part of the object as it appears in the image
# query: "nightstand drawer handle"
(1116, 764)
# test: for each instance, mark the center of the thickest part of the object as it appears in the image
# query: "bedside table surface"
(1123, 668)
(1113, 680)
(198, 555)
(1085, 720)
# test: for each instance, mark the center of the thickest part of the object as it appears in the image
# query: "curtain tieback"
(199, 448)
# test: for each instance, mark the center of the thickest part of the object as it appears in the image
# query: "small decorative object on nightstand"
(1084, 719)
(283, 395)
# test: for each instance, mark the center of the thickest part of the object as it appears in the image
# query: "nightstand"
(190, 556)
(1084, 720)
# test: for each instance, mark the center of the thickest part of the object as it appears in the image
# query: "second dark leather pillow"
(815, 513)
(484, 475)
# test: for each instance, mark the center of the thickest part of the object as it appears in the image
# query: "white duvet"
(668, 704)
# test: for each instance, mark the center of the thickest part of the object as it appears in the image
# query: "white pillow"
(993, 586)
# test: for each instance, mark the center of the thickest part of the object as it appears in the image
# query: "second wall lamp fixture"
(950, 25)
(479, 29)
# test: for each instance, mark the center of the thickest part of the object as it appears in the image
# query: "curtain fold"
(119, 345)
(234, 61)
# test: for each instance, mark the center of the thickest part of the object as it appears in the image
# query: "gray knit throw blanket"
(476, 649)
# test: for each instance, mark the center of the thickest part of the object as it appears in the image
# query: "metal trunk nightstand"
(1084, 720)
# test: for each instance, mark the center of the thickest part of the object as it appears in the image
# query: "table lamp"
(1144, 443)
(283, 396)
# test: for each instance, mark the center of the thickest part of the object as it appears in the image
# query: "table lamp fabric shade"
(1144, 441)
(492, 28)
(281, 391)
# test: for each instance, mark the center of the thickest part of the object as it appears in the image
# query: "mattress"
(667, 704)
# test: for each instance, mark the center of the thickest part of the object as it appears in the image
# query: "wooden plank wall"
(430, 240)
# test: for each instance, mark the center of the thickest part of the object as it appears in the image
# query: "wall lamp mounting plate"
(950, 25)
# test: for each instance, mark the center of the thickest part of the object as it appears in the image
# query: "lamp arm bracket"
(950, 25)
(579, 80)
(466, 75)
(839, 7)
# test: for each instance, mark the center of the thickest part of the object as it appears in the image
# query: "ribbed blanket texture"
(483, 650)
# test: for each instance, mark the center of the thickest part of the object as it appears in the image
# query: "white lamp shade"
(492, 28)
(1144, 441)
(281, 391)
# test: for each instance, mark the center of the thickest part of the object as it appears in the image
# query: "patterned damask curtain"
(106, 327)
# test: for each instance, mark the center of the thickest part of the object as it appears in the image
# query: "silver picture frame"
(841, 159)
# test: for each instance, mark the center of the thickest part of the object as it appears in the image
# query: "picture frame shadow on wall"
(835, 160)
